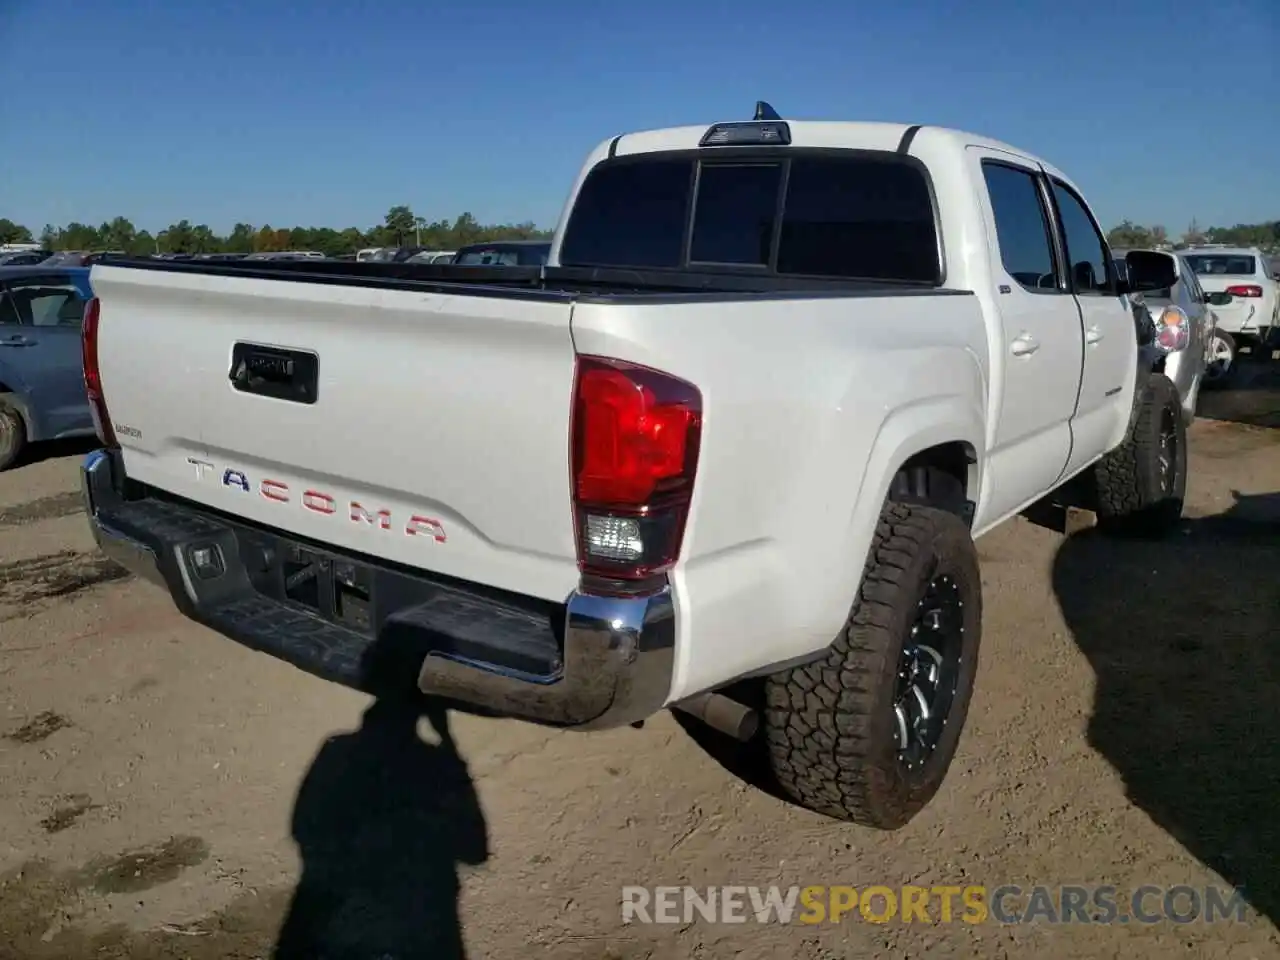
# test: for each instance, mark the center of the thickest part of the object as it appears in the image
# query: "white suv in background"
(1245, 274)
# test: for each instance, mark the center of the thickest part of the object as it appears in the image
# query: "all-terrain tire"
(13, 434)
(830, 725)
(1134, 493)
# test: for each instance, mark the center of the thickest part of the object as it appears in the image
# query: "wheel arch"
(937, 443)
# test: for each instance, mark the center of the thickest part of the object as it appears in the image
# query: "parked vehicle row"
(727, 451)
(1250, 312)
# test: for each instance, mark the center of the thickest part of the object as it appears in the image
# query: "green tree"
(143, 245)
(1129, 236)
(399, 227)
(11, 232)
(179, 238)
(240, 239)
(119, 234)
(79, 236)
(400, 223)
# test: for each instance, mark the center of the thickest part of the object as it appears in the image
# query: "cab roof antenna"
(765, 112)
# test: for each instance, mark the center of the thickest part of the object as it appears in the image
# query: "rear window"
(1209, 265)
(857, 216)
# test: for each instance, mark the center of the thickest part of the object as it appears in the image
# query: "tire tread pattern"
(1127, 490)
(820, 718)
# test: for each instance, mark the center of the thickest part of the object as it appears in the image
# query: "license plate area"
(339, 590)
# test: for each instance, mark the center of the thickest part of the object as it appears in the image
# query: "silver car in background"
(1186, 345)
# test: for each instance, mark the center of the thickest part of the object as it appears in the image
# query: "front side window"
(1022, 226)
(1090, 267)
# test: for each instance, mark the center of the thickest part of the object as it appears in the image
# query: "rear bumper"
(592, 662)
(1245, 318)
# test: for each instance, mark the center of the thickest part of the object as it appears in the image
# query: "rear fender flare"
(907, 431)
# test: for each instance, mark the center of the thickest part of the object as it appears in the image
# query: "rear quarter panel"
(810, 406)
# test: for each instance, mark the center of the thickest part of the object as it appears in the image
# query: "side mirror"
(1218, 299)
(1148, 270)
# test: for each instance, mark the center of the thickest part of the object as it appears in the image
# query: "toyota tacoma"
(740, 431)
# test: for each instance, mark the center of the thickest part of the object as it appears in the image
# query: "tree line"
(400, 228)
(1266, 236)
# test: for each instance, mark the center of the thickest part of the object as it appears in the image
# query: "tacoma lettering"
(317, 501)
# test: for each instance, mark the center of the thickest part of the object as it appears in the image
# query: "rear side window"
(630, 214)
(46, 301)
(858, 218)
(854, 217)
(1022, 227)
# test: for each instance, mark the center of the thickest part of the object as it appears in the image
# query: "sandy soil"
(165, 793)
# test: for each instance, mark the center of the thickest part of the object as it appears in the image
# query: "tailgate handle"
(275, 372)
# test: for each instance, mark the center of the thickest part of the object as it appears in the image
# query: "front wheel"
(867, 733)
(1141, 485)
(1220, 359)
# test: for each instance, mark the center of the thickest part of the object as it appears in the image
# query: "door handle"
(17, 341)
(1024, 345)
(1093, 334)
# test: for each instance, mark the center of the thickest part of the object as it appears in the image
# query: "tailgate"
(436, 436)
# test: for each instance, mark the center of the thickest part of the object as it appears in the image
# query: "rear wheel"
(13, 434)
(867, 734)
(1220, 360)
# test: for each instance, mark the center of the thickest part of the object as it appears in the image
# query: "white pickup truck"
(744, 426)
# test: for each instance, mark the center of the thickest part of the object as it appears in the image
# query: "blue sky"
(327, 112)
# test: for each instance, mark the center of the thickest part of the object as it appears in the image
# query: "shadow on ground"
(1184, 638)
(55, 449)
(1251, 395)
(384, 819)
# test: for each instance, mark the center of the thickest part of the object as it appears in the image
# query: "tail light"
(636, 434)
(93, 373)
(1173, 329)
(1245, 290)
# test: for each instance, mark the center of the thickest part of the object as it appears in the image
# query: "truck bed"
(557, 283)
(438, 435)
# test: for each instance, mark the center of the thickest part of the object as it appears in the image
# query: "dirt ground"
(165, 793)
